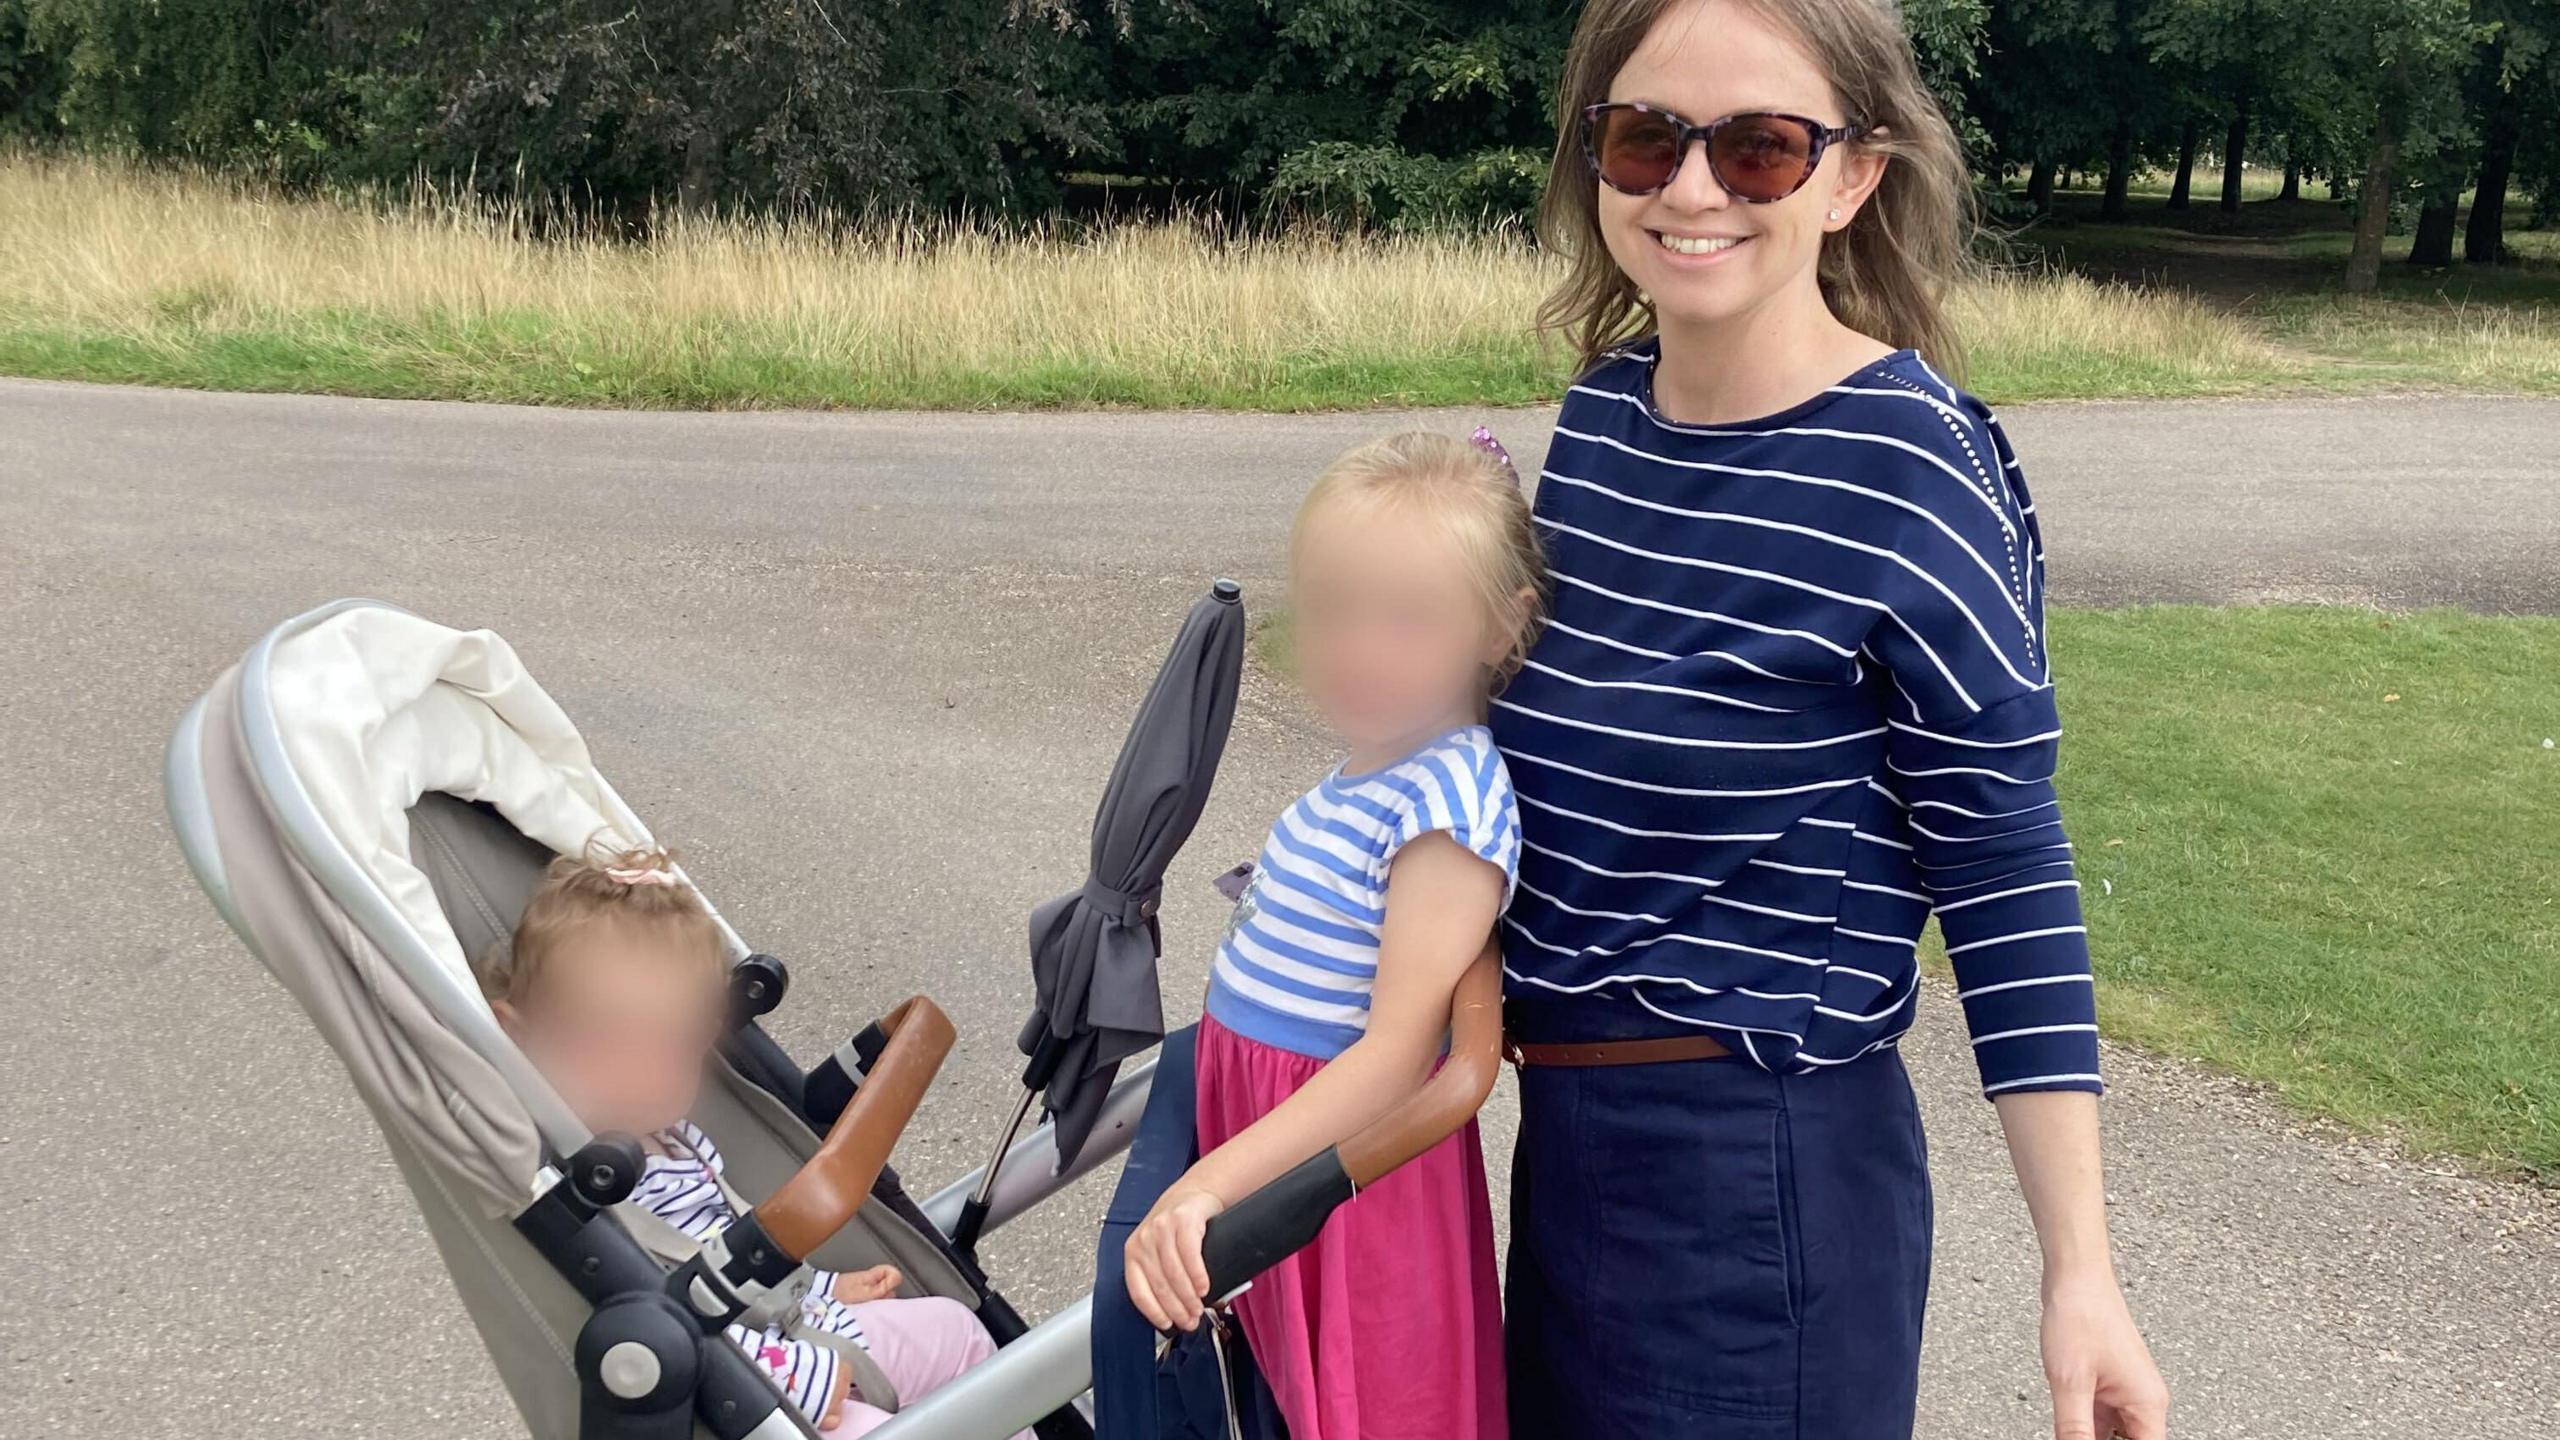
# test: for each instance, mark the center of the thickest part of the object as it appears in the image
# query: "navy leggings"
(1707, 1251)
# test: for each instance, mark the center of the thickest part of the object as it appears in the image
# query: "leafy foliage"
(1396, 114)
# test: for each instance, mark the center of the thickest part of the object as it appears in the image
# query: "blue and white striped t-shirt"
(1794, 700)
(1301, 952)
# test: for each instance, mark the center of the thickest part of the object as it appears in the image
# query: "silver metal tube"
(1004, 1145)
(1028, 1173)
(1044, 1370)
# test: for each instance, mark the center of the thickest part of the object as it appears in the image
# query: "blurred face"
(1392, 634)
(1705, 257)
(620, 1022)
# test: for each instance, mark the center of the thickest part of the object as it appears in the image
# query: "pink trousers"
(921, 1345)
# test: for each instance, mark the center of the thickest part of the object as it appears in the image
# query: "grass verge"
(118, 274)
(2315, 850)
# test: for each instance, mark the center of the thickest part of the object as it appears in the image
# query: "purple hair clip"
(1484, 441)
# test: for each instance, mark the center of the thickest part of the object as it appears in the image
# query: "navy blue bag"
(1183, 1395)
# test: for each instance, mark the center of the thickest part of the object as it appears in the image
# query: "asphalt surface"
(868, 671)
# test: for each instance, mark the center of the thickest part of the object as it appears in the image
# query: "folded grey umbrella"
(1094, 949)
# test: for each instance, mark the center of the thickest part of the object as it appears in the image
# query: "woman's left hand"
(2104, 1383)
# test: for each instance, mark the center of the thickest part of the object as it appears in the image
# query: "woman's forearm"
(1361, 1084)
(2053, 1145)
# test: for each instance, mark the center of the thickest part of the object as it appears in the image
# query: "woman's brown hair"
(1884, 274)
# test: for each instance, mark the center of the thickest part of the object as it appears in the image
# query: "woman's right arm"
(1442, 900)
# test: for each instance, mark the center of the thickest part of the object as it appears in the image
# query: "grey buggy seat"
(369, 799)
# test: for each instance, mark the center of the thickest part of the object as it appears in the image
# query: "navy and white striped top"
(1794, 699)
(1301, 953)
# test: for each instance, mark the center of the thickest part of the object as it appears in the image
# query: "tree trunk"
(2373, 206)
(2485, 241)
(696, 192)
(2119, 170)
(2433, 242)
(2337, 185)
(2235, 143)
(2292, 174)
(2188, 136)
(2040, 187)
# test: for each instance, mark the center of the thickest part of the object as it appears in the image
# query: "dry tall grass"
(114, 272)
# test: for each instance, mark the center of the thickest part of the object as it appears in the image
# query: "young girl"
(615, 986)
(1793, 700)
(1415, 581)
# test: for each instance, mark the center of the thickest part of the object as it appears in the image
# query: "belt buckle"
(1511, 1052)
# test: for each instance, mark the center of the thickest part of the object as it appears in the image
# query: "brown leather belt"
(1618, 1052)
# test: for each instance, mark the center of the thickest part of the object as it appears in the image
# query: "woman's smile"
(1695, 251)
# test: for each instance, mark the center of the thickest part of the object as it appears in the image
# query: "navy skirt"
(1704, 1249)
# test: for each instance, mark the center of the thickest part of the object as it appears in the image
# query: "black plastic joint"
(639, 1364)
(606, 1170)
(868, 1046)
(756, 986)
(753, 1257)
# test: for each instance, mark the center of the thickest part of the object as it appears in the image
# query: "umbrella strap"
(1132, 908)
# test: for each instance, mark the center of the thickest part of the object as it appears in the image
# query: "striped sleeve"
(1461, 787)
(1970, 757)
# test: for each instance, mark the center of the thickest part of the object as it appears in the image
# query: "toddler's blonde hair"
(1474, 496)
(638, 887)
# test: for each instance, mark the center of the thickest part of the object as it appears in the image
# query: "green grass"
(2318, 851)
(2276, 267)
(114, 273)
(524, 360)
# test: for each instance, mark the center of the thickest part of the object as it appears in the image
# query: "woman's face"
(1704, 257)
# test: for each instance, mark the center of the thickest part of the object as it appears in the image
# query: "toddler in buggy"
(368, 798)
(614, 984)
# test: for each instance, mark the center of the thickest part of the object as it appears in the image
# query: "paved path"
(870, 669)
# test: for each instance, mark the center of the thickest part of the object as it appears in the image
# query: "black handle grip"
(1273, 1222)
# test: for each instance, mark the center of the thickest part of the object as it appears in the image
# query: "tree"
(2051, 96)
(2252, 55)
(2408, 54)
(2512, 69)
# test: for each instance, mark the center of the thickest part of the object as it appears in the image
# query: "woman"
(1793, 700)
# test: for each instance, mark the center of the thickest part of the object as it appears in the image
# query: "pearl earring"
(1835, 216)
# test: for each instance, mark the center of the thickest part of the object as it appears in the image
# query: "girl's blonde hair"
(638, 886)
(1885, 274)
(1474, 494)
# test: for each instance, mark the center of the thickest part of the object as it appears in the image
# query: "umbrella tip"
(1227, 591)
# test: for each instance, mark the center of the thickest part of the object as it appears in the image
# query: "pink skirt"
(1388, 1326)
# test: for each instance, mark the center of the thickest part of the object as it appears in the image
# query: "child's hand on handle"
(1168, 1280)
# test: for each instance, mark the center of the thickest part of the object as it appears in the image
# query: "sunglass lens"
(1762, 157)
(1636, 149)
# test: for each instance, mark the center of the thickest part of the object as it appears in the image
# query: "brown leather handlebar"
(1453, 1094)
(816, 1202)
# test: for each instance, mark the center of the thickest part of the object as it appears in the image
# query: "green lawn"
(111, 272)
(2276, 268)
(2318, 850)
